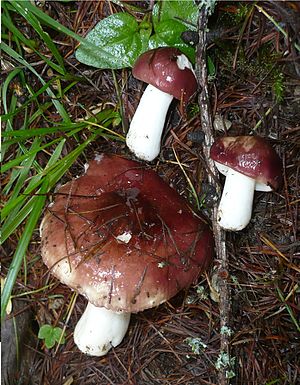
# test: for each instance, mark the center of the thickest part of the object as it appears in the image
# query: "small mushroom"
(123, 238)
(250, 164)
(169, 74)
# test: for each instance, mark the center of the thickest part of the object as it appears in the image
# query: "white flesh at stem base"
(235, 208)
(99, 329)
(145, 131)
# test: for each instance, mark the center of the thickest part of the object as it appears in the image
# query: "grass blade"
(16, 33)
(9, 51)
(20, 212)
(17, 161)
(59, 27)
(31, 19)
(16, 263)
(288, 308)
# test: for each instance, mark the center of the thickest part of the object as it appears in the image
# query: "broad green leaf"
(170, 19)
(50, 340)
(186, 12)
(121, 36)
(44, 331)
(57, 333)
(167, 33)
(51, 335)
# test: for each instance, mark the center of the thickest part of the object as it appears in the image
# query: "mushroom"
(123, 238)
(249, 164)
(169, 74)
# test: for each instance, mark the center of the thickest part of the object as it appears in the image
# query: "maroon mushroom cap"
(161, 68)
(252, 156)
(124, 238)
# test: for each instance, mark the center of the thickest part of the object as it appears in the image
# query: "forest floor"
(255, 87)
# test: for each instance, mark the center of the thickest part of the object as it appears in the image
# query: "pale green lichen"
(200, 295)
(196, 344)
(226, 331)
(224, 361)
(201, 292)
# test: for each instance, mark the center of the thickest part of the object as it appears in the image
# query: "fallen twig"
(224, 361)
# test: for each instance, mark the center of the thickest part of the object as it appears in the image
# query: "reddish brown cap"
(252, 156)
(123, 238)
(164, 69)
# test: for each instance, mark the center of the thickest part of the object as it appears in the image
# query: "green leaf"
(211, 69)
(124, 39)
(44, 331)
(50, 335)
(168, 33)
(186, 12)
(170, 19)
(50, 341)
(119, 35)
(57, 333)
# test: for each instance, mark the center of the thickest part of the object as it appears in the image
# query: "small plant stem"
(277, 25)
(194, 193)
(288, 308)
(32, 291)
(219, 234)
(69, 313)
(121, 107)
(262, 119)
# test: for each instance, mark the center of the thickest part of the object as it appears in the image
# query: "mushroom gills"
(235, 208)
(99, 329)
(145, 131)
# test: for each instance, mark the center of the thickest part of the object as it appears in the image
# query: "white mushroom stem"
(145, 131)
(235, 208)
(99, 329)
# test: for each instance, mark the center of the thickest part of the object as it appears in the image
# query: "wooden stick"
(219, 234)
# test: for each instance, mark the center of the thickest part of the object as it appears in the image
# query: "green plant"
(288, 309)
(51, 335)
(273, 382)
(278, 86)
(124, 38)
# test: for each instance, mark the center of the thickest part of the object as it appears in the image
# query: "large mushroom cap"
(167, 69)
(252, 156)
(123, 238)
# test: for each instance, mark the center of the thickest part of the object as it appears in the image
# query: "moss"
(260, 67)
(235, 14)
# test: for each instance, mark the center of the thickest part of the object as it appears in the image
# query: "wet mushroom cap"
(164, 69)
(252, 156)
(123, 237)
